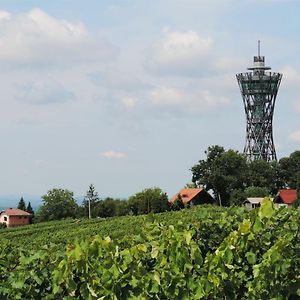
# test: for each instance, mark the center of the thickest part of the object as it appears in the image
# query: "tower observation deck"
(259, 89)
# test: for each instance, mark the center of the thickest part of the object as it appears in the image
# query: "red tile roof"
(15, 212)
(287, 196)
(186, 194)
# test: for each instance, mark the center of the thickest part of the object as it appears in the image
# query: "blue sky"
(129, 94)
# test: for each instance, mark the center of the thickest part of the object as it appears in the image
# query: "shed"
(193, 196)
(252, 202)
(285, 197)
(14, 217)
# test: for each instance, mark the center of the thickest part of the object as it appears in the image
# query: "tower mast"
(259, 90)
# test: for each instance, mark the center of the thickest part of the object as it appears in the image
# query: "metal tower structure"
(259, 90)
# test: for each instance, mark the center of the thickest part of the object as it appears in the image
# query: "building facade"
(13, 217)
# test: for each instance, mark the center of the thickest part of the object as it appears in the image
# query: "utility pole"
(89, 207)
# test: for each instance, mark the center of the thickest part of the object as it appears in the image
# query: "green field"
(205, 252)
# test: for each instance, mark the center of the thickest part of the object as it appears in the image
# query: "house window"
(5, 218)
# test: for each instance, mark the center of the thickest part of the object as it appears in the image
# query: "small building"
(14, 217)
(193, 196)
(285, 197)
(252, 203)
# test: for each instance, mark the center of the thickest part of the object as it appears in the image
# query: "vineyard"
(204, 252)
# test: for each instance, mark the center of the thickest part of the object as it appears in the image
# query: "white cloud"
(291, 75)
(186, 101)
(36, 37)
(4, 15)
(129, 102)
(181, 53)
(294, 136)
(43, 92)
(113, 154)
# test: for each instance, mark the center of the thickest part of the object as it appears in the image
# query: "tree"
(106, 208)
(288, 169)
(178, 203)
(222, 172)
(22, 204)
(261, 174)
(90, 201)
(297, 202)
(149, 200)
(256, 191)
(237, 197)
(57, 204)
(121, 207)
(31, 211)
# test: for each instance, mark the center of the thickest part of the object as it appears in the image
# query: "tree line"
(226, 173)
(60, 204)
(232, 178)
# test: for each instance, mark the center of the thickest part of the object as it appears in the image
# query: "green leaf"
(188, 237)
(266, 209)
(142, 247)
(245, 227)
(154, 252)
(251, 258)
(156, 277)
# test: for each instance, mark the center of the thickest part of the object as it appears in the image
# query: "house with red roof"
(285, 197)
(14, 217)
(193, 196)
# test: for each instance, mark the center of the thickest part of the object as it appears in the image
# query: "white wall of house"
(4, 218)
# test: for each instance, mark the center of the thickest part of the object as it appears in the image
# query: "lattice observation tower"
(259, 89)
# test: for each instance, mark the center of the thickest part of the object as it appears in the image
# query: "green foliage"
(256, 191)
(149, 200)
(289, 168)
(106, 208)
(21, 204)
(29, 208)
(237, 197)
(222, 171)
(31, 211)
(2, 225)
(261, 174)
(229, 175)
(91, 198)
(178, 203)
(211, 253)
(57, 204)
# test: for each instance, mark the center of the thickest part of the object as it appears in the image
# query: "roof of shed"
(15, 212)
(288, 196)
(254, 200)
(187, 194)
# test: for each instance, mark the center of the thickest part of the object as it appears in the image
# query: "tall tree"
(149, 200)
(22, 204)
(29, 208)
(222, 172)
(90, 201)
(288, 169)
(106, 208)
(31, 211)
(57, 204)
(261, 174)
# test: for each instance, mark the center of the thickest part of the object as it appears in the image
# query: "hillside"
(62, 232)
(199, 253)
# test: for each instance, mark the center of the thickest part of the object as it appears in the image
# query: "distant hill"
(7, 201)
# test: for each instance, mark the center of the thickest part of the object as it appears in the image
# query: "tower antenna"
(258, 48)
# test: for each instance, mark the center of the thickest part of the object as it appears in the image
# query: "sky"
(128, 94)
